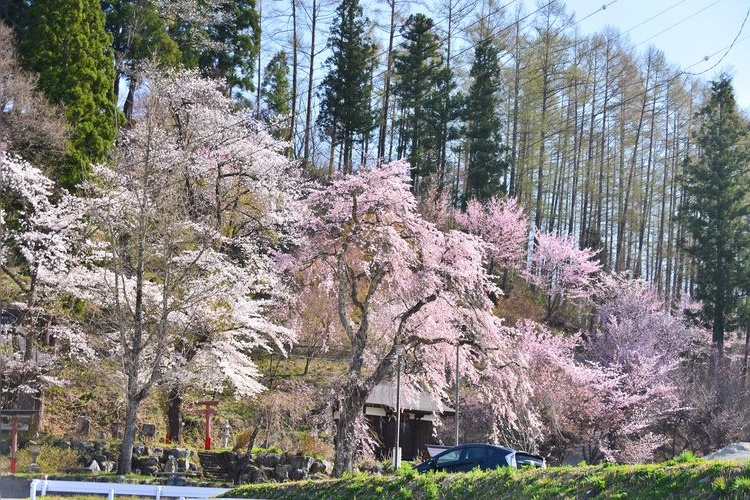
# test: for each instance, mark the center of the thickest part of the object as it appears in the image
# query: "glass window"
(473, 452)
(496, 452)
(451, 456)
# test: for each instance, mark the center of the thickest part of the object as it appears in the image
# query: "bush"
(685, 457)
(51, 459)
(741, 485)
(313, 446)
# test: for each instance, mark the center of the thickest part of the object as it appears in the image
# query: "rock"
(176, 481)
(268, 459)
(151, 470)
(139, 449)
(115, 431)
(148, 461)
(253, 475)
(179, 452)
(300, 462)
(148, 430)
(82, 426)
(84, 447)
(297, 474)
(319, 467)
(171, 465)
(281, 472)
(101, 447)
(734, 451)
(63, 444)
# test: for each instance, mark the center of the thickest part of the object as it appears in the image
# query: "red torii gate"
(208, 410)
(15, 416)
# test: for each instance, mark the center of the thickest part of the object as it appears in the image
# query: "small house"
(419, 411)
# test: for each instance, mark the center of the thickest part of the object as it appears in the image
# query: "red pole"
(14, 445)
(207, 441)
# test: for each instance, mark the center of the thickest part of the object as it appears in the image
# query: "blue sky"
(688, 31)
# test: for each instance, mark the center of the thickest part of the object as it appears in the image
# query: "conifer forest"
(279, 205)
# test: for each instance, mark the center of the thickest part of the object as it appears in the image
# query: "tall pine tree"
(139, 34)
(65, 43)
(345, 109)
(277, 95)
(486, 158)
(421, 75)
(716, 210)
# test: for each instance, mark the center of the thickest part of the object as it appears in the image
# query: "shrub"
(741, 485)
(51, 459)
(719, 484)
(313, 446)
(685, 457)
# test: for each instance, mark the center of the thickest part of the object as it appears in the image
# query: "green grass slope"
(699, 479)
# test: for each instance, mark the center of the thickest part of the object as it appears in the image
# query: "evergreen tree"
(12, 12)
(237, 36)
(421, 78)
(486, 159)
(277, 95)
(139, 33)
(222, 39)
(345, 112)
(65, 42)
(716, 184)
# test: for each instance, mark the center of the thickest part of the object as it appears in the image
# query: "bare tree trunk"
(130, 99)
(382, 132)
(603, 144)
(295, 70)
(512, 187)
(259, 84)
(308, 113)
(660, 241)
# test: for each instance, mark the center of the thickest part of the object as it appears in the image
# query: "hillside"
(698, 479)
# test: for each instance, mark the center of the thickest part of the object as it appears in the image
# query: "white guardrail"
(44, 486)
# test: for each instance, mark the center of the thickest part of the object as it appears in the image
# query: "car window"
(450, 456)
(496, 452)
(474, 452)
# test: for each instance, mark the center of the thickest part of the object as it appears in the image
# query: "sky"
(693, 34)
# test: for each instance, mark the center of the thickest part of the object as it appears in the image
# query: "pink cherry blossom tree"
(503, 225)
(561, 271)
(394, 279)
(644, 342)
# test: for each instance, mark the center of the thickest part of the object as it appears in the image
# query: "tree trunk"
(128, 439)
(174, 415)
(346, 440)
(747, 354)
(295, 68)
(259, 85)
(308, 115)
(387, 85)
(130, 100)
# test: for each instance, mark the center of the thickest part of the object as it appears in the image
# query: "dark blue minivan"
(466, 457)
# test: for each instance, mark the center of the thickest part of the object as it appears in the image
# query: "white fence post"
(32, 489)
